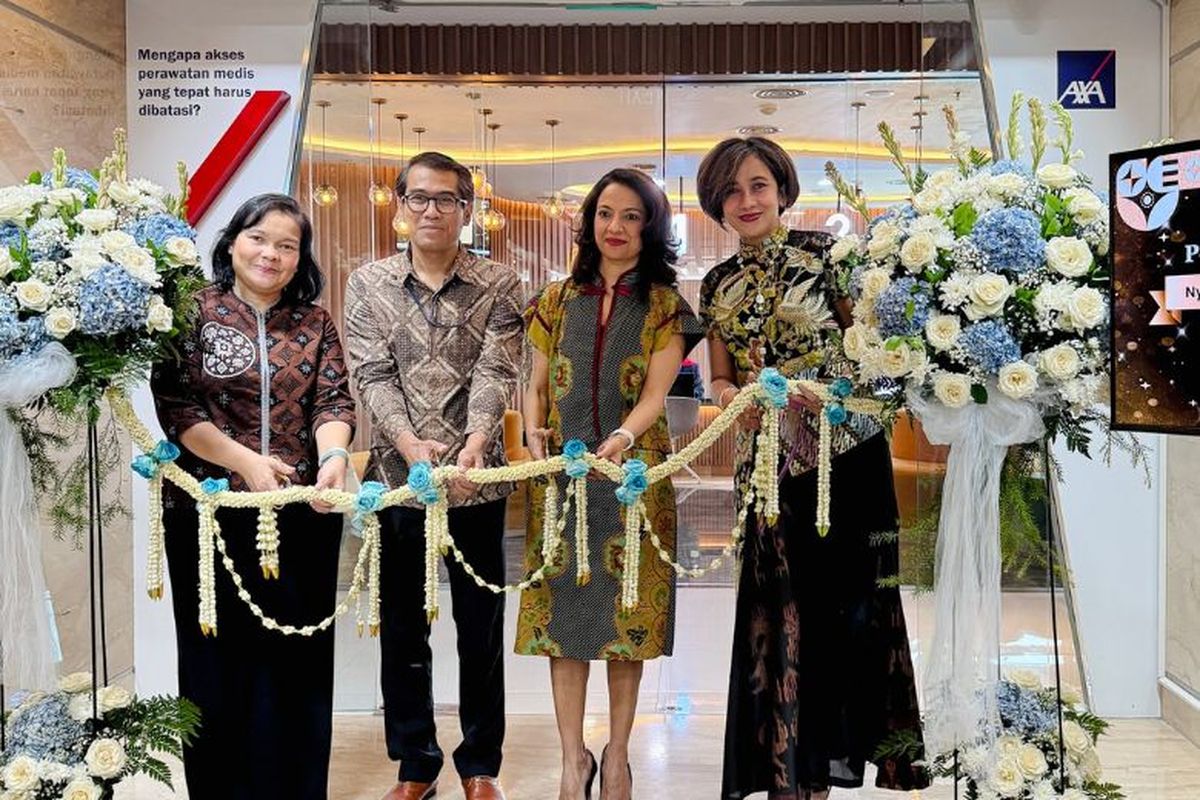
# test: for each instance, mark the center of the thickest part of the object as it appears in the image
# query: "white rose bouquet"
(102, 264)
(69, 745)
(1030, 760)
(993, 279)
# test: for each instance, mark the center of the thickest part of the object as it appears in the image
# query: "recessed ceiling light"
(879, 93)
(758, 130)
(780, 93)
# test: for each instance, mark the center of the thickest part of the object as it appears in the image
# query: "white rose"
(64, 196)
(123, 193)
(105, 758)
(33, 294)
(897, 361)
(854, 342)
(1084, 309)
(918, 252)
(110, 698)
(1076, 739)
(159, 316)
(1007, 746)
(1056, 176)
(874, 281)
(77, 681)
(1071, 696)
(138, 262)
(932, 199)
(942, 331)
(96, 219)
(1026, 678)
(85, 262)
(1031, 762)
(114, 242)
(885, 240)
(952, 389)
(988, 294)
(1018, 380)
(60, 322)
(1006, 778)
(1069, 256)
(7, 264)
(81, 789)
(17, 202)
(183, 251)
(1006, 185)
(1090, 765)
(1060, 362)
(21, 774)
(1084, 206)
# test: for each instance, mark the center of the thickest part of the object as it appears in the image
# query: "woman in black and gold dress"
(821, 671)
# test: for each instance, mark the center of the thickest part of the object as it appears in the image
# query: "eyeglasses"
(445, 203)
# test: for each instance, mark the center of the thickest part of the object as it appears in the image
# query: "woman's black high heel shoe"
(587, 787)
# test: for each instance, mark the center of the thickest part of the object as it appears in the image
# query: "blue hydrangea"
(903, 307)
(1023, 711)
(48, 240)
(1010, 239)
(990, 345)
(1008, 166)
(76, 179)
(158, 228)
(10, 235)
(900, 212)
(46, 731)
(20, 337)
(111, 300)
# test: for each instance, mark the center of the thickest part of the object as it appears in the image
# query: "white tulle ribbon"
(26, 640)
(961, 668)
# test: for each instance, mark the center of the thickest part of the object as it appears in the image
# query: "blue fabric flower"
(420, 480)
(165, 451)
(835, 413)
(76, 179)
(903, 308)
(111, 300)
(145, 466)
(573, 451)
(1010, 239)
(841, 388)
(370, 497)
(775, 385)
(634, 484)
(214, 485)
(158, 228)
(990, 345)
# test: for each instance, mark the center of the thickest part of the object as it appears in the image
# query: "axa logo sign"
(1087, 78)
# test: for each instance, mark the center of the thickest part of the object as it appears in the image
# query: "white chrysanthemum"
(1069, 256)
(1081, 392)
(936, 227)
(1084, 309)
(1060, 362)
(105, 758)
(918, 252)
(1043, 790)
(1052, 297)
(988, 294)
(79, 708)
(952, 389)
(956, 289)
(946, 179)
(1057, 176)
(148, 188)
(33, 294)
(1074, 794)
(942, 331)
(1018, 380)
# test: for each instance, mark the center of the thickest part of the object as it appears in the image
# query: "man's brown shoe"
(411, 790)
(483, 787)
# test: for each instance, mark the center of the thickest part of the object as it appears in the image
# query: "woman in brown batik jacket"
(260, 397)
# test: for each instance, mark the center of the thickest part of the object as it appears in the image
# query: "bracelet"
(332, 453)
(628, 437)
(721, 396)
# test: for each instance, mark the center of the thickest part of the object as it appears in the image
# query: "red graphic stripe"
(233, 148)
(1103, 64)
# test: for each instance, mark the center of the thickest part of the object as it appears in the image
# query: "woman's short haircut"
(718, 172)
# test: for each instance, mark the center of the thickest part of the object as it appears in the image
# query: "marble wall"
(62, 83)
(1181, 691)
